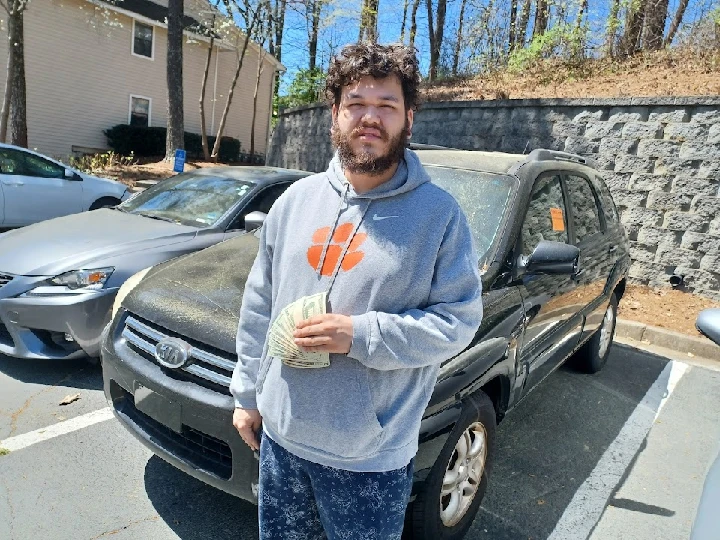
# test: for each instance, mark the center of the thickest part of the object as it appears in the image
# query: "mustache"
(358, 130)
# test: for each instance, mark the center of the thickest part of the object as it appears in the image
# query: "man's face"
(370, 125)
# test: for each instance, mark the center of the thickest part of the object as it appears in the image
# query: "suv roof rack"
(554, 155)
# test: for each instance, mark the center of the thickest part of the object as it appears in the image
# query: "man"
(395, 255)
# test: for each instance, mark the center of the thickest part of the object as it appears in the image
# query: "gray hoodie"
(399, 260)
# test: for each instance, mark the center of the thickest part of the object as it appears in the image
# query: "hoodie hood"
(409, 175)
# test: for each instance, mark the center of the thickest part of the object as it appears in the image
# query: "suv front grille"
(201, 450)
(208, 366)
(5, 279)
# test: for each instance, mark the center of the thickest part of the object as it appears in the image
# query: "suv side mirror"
(708, 323)
(551, 258)
(254, 220)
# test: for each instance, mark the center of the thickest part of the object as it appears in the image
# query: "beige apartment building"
(92, 64)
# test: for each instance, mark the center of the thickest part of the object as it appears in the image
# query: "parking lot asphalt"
(619, 454)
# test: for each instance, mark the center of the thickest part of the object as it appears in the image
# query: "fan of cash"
(282, 344)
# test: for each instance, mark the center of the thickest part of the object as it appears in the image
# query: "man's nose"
(371, 115)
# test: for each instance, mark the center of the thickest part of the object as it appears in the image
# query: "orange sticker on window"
(558, 223)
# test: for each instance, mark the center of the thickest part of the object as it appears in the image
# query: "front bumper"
(187, 425)
(35, 327)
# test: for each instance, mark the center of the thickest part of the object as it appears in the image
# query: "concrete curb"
(667, 339)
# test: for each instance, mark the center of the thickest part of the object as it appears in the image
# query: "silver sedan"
(58, 278)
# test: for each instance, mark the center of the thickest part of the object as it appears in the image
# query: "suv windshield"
(189, 199)
(482, 196)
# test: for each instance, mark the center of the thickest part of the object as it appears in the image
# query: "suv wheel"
(449, 499)
(594, 353)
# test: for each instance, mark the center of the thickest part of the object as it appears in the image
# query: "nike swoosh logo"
(380, 218)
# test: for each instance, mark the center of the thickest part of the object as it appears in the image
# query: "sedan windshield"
(189, 199)
(482, 196)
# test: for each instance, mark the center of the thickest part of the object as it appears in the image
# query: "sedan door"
(553, 322)
(36, 189)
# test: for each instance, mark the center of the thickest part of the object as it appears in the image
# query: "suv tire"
(430, 516)
(593, 355)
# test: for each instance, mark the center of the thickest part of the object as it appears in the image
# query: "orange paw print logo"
(334, 250)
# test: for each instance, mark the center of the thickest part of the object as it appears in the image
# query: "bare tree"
(613, 24)
(435, 35)
(404, 21)
(675, 24)
(251, 15)
(541, 18)
(413, 23)
(313, 10)
(368, 21)
(581, 13)
(513, 17)
(261, 61)
(521, 30)
(278, 27)
(459, 38)
(14, 111)
(203, 88)
(175, 116)
(634, 22)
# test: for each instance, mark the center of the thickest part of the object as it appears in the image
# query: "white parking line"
(588, 504)
(61, 428)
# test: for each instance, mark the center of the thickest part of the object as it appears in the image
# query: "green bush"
(150, 141)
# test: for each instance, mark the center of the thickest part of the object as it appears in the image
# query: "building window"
(142, 39)
(139, 111)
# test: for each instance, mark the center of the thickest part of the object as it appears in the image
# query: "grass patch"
(4, 451)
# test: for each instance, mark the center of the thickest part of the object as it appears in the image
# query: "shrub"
(96, 163)
(150, 141)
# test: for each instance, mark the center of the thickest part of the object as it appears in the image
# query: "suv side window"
(608, 205)
(546, 216)
(586, 218)
(261, 203)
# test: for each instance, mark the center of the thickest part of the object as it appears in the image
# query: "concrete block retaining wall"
(659, 156)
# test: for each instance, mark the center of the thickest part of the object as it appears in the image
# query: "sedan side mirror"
(254, 220)
(72, 175)
(551, 258)
(708, 323)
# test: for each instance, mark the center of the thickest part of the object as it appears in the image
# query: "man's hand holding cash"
(304, 334)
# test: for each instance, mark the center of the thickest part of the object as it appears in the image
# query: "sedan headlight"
(83, 279)
(125, 289)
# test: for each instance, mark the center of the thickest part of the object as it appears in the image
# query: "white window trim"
(149, 108)
(132, 41)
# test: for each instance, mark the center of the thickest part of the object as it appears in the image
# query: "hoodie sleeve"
(442, 329)
(255, 313)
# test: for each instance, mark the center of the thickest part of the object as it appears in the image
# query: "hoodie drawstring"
(346, 246)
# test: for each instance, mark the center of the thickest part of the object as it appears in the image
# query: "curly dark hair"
(379, 61)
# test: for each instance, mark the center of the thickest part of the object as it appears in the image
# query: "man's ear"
(334, 114)
(410, 118)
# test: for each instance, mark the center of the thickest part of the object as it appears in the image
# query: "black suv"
(553, 258)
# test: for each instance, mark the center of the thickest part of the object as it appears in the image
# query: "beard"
(365, 162)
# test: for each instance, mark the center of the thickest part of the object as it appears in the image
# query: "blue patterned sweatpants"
(301, 500)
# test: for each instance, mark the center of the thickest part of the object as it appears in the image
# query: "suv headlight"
(83, 279)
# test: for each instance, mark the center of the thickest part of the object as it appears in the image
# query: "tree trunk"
(431, 38)
(315, 8)
(541, 18)
(630, 42)
(655, 17)
(521, 31)
(203, 125)
(175, 119)
(436, 35)
(18, 98)
(456, 55)
(226, 110)
(581, 13)
(278, 18)
(612, 26)
(413, 23)
(255, 98)
(368, 21)
(513, 17)
(404, 21)
(5, 114)
(675, 24)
